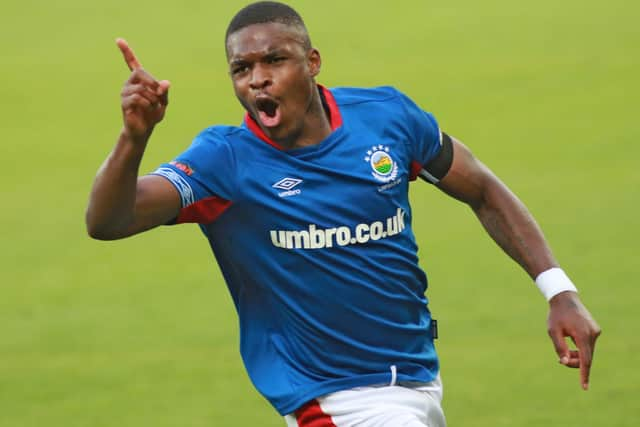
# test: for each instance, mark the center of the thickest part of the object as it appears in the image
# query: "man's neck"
(315, 128)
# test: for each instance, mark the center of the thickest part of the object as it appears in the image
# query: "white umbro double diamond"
(288, 185)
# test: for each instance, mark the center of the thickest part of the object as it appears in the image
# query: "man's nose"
(260, 77)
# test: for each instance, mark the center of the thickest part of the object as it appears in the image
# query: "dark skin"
(514, 229)
(273, 71)
(271, 61)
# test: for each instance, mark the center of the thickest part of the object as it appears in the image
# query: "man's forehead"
(262, 38)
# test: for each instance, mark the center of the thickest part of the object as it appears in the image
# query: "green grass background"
(142, 332)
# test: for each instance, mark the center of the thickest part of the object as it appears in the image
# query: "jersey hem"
(324, 388)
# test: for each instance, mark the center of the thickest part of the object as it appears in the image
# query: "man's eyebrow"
(270, 53)
(275, 52)
(238, 62)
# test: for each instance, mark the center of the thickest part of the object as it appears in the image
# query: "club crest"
(383, 167)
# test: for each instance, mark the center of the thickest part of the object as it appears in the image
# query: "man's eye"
(239, 69)
(276, 59)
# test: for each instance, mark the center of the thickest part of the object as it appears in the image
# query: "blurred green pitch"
(142, 331)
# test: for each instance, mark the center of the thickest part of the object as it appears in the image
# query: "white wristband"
(553, 281)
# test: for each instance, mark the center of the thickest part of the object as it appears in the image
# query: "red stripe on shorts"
(311, 415)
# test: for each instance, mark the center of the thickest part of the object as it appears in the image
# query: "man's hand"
(568, 317)
(144, 99)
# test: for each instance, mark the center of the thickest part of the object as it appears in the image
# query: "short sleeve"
(204, 176)
(426, 139)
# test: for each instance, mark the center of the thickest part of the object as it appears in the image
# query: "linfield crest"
(383, 167)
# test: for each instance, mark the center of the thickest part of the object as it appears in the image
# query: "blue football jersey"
(316, 244)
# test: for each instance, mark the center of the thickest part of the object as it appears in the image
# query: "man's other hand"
(568, 317)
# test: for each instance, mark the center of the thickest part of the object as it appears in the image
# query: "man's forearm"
(112, 200)
(513, 228)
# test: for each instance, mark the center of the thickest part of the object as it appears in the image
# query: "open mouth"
(268, 111)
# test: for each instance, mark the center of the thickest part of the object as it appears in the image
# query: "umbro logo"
(288, 185)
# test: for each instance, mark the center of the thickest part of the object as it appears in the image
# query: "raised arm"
(514, 229)
(121, 204)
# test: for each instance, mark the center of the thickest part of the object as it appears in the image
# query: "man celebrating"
(306, 208)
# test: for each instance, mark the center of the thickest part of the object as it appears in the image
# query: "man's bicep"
(466, 177)
(157, 203)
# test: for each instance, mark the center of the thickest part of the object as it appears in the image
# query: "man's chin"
(275, 133)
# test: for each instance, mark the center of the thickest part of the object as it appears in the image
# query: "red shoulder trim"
(203, 211)
(415, 170)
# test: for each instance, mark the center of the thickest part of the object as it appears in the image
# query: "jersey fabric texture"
(316, 244)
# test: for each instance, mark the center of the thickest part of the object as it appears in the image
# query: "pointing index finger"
(129, 56)
(585, 353)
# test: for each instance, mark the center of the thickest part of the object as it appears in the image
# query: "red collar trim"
(335, 118)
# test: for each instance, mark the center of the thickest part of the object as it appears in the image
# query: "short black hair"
(264, 12)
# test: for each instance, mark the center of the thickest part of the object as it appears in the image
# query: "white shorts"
(402, 405)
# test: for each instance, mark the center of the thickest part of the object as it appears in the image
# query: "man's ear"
(315, 62)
